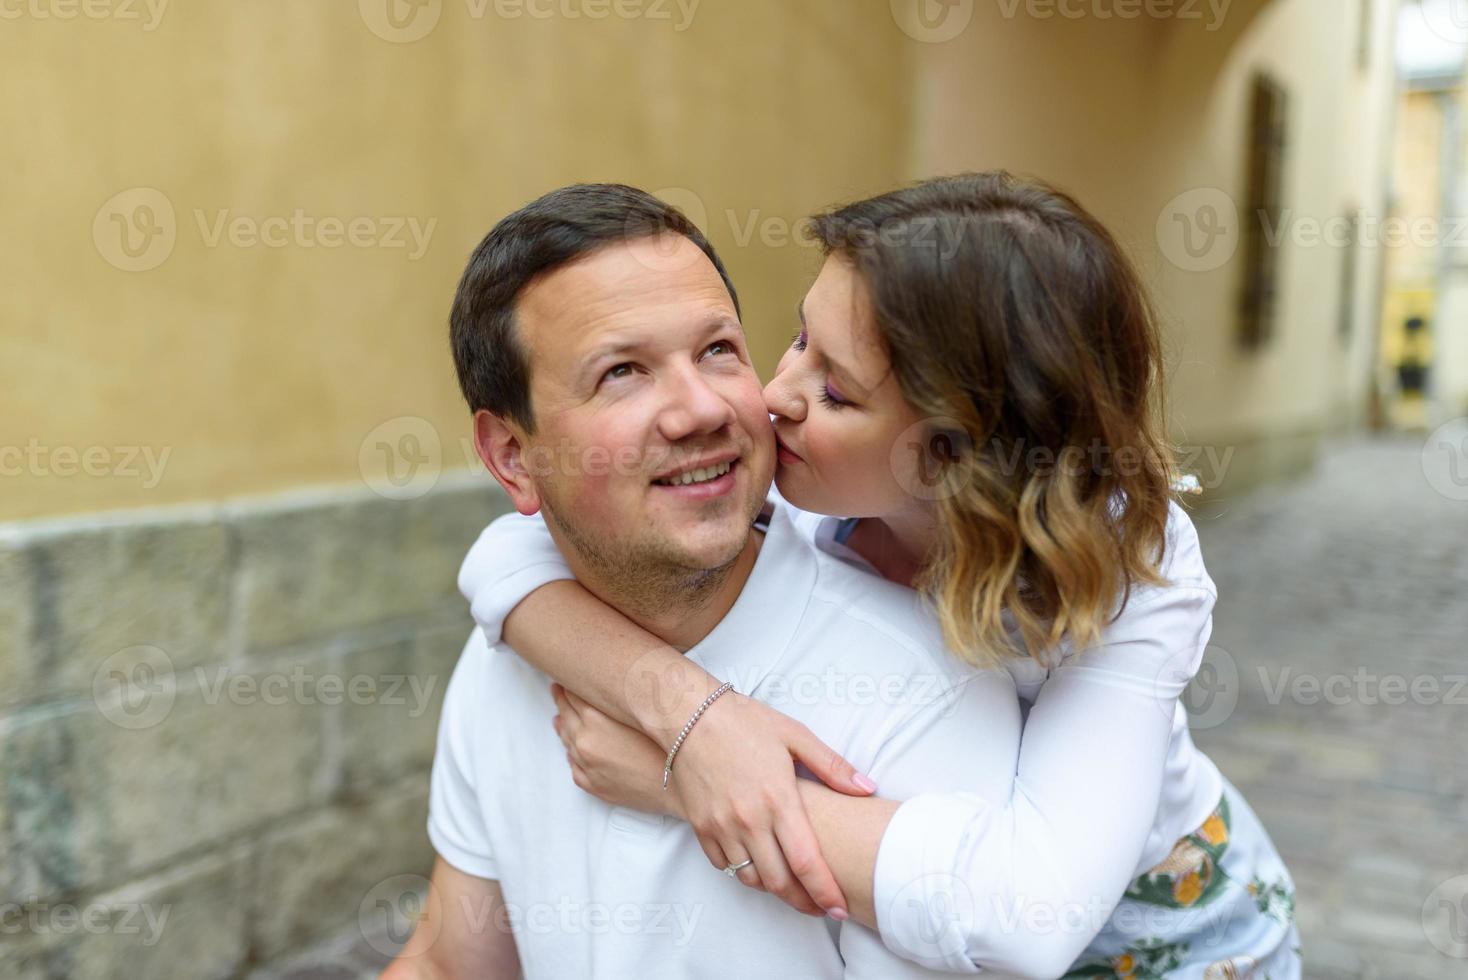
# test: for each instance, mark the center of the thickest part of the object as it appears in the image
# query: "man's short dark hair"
(564, 225)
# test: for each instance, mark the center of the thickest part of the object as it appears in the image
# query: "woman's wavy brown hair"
(1019, 329)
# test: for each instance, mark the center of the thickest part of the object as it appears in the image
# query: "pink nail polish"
(838, 914)
(865, 783)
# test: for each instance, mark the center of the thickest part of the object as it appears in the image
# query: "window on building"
(1266, 164)
(1363, 34)
(1350, 254)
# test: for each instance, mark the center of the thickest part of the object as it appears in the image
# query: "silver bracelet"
(668, 765)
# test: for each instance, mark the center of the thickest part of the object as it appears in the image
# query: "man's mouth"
(705, 474)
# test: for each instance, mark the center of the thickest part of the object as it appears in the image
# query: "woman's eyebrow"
(848, 380)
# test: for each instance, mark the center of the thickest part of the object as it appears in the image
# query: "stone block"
(313, 876)
(394, 731)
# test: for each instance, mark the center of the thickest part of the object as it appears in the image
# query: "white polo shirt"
(597, 891)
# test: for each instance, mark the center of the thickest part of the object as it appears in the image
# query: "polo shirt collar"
(751, 639)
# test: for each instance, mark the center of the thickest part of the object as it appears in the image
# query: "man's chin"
(709, 545)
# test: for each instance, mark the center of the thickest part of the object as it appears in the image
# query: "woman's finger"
(567, 726)
(747, 875)
(713, 851)
(577, 701)
(828, 765)
(802, 850)
(563, 702)
(777, 876)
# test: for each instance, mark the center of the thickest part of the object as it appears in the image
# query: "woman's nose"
(782, 394)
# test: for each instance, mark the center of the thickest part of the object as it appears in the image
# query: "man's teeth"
(696, 476)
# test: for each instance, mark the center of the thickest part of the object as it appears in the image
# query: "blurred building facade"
(226, 329)
(1424, 343)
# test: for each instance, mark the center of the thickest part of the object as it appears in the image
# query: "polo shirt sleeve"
(1023, 884)
(514, 556)
(456, 824)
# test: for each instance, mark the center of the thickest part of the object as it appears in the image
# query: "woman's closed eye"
(830, 398)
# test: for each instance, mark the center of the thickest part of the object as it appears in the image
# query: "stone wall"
(216, 724)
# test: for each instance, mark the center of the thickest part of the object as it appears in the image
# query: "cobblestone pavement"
(1343, 606)
(1329, 590)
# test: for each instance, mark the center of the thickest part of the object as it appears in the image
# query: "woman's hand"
(733, 780)
(609, 760)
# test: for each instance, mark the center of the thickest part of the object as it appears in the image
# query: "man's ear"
(500, 445)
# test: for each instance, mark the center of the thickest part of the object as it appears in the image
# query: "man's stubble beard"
(644, 581)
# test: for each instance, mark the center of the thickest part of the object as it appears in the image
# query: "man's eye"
(618, 371)
(714, 348)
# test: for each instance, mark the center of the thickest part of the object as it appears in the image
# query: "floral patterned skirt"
(1220, 907)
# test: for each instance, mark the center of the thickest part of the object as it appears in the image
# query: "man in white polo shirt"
(598, 343)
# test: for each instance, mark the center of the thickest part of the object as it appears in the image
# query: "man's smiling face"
(652, 443)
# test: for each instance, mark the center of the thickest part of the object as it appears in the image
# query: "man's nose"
(692, 407)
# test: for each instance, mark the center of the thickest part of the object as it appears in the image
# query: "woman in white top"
(974, 388)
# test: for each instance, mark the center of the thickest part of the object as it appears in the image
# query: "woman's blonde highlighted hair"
(1016, 324)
